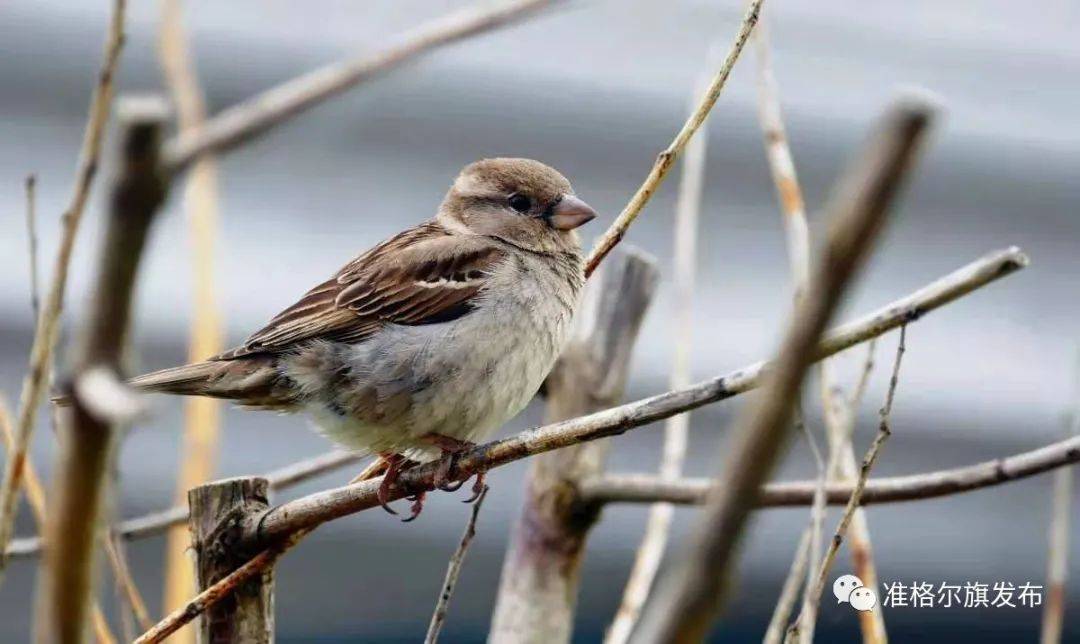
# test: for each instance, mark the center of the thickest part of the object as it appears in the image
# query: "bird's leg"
(373, 471)
(451, 448)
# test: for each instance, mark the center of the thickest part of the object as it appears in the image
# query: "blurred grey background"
(596, 89)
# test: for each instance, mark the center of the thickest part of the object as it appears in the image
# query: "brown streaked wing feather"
(422, 276)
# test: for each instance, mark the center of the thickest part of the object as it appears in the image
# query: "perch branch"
(453, 570)
(666, 159)
(912, 307)
(47, 325)
(691, 594)
(803, 628)
(314, 509)
(100, 399)
(246, 120)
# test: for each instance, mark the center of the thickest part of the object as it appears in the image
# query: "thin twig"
(126, 583)
(796, 576)
(782, 167)
(244, 121)
(176, 620)
(666, 159)
(202, 416)
(452, 572)
(817, 512)
(1057, 559)
(676, 431)
(691, 594)
(35, 495)
(808, 616)
(101, 402)
(32, 243)
(45, 332)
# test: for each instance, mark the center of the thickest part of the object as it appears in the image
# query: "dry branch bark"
(688, 598)
(218, 509)
(538, 589)
(48, 319)
(453, 570)
(240, 123)
(100, 401)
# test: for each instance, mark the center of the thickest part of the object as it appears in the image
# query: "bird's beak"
(570, 213)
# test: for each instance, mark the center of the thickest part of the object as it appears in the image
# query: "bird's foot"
(451, 449)
(396, 464)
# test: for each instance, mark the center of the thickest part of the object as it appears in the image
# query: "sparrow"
(427, 343)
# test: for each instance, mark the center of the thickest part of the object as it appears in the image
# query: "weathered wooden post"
(219, 512)
(538, 591)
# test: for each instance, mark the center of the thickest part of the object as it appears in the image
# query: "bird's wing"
(424, 275)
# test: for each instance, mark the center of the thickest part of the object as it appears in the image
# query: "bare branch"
(782, 167)
(45, 332)
(1057, 559)
(676, 431)
(804, 624)
(453, 570)
(690, 595)
(647, 488)
(666, 159)
(774, 634)
(126, 583)
(243, 122)
(87, 433)
(35, 495)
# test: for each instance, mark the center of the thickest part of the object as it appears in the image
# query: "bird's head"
(520, 201)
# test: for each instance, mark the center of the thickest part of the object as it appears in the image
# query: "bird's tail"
(251, 381)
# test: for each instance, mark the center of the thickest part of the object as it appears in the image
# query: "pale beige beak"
(570, 213)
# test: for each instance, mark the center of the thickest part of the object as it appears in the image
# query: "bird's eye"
(520, 202)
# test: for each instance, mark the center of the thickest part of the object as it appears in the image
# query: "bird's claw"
(417, 506)
(478, 487)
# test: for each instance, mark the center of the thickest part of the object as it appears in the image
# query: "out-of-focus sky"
(596, 89)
